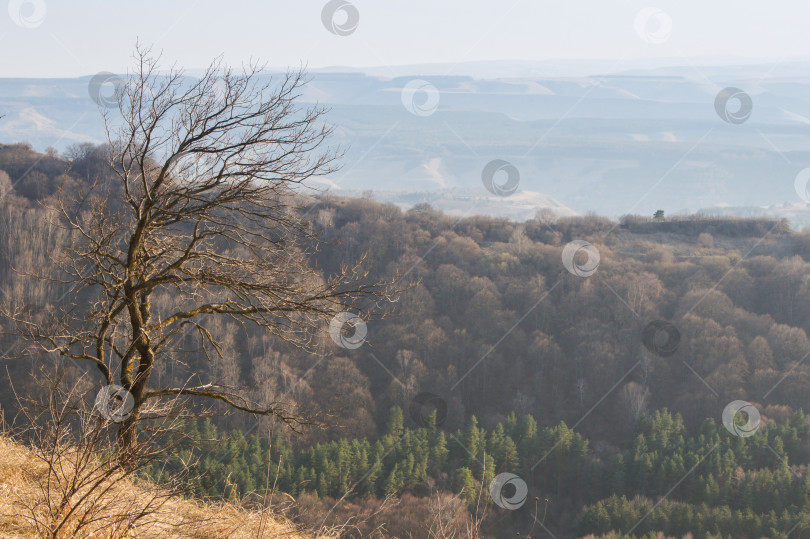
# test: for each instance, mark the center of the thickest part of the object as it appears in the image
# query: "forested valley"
(603, 389)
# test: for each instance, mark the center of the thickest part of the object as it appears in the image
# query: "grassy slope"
(178, 518)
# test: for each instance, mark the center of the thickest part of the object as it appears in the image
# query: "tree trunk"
(128, 441)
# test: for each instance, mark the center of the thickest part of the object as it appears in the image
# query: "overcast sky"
(57, 38)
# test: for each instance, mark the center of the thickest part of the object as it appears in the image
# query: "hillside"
(599, 385)
(175, 519)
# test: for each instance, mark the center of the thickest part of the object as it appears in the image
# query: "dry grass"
(174, 518)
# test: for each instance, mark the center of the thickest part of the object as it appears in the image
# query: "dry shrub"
(439, 516)
(63, 477)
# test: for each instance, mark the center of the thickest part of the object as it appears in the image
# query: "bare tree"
(202, 208)
(448, 516)
(635, 398)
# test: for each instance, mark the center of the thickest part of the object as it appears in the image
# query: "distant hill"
(615, 143)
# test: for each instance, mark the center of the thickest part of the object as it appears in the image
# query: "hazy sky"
(81, 37)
